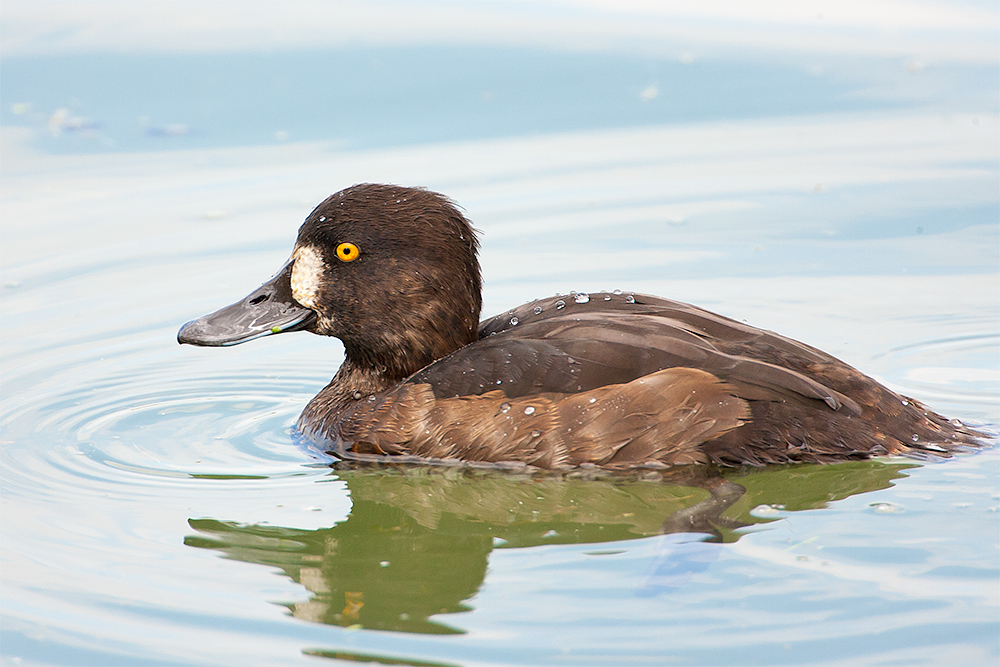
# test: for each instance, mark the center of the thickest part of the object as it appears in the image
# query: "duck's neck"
(350, 385)
(372, 370)
(353, 382)
(378, 358)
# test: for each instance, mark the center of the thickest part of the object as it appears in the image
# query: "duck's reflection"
(418, 539)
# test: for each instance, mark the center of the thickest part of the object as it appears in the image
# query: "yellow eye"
(347, 252)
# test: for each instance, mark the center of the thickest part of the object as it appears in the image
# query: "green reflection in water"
(371, 657)
(417, 541)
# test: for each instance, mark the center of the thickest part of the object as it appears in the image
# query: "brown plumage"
(611, 380)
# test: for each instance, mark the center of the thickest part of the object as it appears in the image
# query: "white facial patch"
(307, 275)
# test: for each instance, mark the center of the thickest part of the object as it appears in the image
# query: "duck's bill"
(269, 309)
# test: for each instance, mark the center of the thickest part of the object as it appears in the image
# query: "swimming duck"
(611, 380)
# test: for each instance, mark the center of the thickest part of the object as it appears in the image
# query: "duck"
(610, 381)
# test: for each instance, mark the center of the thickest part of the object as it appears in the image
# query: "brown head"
(391, 271)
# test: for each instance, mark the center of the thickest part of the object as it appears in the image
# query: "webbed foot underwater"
(609, 380)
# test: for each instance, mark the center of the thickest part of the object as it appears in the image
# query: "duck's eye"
(347, 252)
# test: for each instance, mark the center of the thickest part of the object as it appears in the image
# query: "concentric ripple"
(958, 370)
(158, 426)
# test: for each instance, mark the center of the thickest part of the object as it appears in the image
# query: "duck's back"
(620, 380)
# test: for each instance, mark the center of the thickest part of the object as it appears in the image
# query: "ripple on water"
(154, 430)
(949, 370)
(100, 401)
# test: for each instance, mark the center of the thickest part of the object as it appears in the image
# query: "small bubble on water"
(581, 298)
(505, 408)
(765, 511)
(514, 321)
(885, 508)
(537, 310)
(560, 304)
(529, 410)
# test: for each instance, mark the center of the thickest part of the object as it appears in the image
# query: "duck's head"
(391, 271)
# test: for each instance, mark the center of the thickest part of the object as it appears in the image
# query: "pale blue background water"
(829, 171)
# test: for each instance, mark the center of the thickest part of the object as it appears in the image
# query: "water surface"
(158, 507)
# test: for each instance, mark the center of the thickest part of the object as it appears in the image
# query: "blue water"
(368, 97)
(830, 177)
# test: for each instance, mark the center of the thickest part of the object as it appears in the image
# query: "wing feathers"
(662, 417)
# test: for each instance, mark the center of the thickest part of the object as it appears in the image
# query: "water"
(158, 507)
